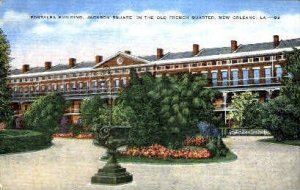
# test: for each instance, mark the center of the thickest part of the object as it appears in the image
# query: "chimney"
(72, 62)
(25, 68)
(47, 65)
(234, 45)
(195, 49)
(159, 53)
(128, 52)
(99, 59)
(276, 41)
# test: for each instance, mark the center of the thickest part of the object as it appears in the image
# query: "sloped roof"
(59, 67)
(36, 70)
(289, 43)
(88, 64)
(255, 47)
(15, 72)
(177, 55)
(148, 57)
(214, 51)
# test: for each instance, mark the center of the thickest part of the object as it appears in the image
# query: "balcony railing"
(105, 92)
(80, 93)
(245, 82)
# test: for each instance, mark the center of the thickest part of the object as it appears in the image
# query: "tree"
(183, 103)
(6, 114)
(45, 113)
(240, 105)
(282, 118)
(291, 87)
(94, 111)
(143, 118)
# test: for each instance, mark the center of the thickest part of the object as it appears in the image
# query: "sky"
(34, 41)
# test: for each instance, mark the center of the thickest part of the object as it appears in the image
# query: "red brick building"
(236, 68)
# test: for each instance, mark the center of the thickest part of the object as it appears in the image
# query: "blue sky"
(35, 41)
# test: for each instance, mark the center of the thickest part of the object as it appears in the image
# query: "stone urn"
(111, 138)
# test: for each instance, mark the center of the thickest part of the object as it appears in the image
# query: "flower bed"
(72, 135)
(195, 141)
(161, 152)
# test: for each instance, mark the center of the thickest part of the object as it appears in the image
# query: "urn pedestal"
(111, 137)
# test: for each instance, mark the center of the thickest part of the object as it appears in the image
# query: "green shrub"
(217, 147)
(44, 114)
(21, 140)
(281, 118)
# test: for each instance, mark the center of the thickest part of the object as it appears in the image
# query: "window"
(224, 78)
(94, 84)
(219, 62)
(204, 74)
(268, 58)
(228, 61)
(54, 87)
(268, 75)
(234, 61)
(278, 72)
(116, 84)
(261, 59)
(256, 76)
(250, 60)
(245, 60)
(240, 60)
(61, 87)
(234, 77)
(256, 59)
(209, 63)
(102, 86)
(214, 76)
(245, 76)
(73, 86)
(124, 82)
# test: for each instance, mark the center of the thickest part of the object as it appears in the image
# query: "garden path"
(69, 165)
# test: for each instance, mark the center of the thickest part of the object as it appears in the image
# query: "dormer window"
(250, 60)
(261, 59)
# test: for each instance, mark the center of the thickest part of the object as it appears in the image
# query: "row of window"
(149, 69)
(245, 76)
(94, 85)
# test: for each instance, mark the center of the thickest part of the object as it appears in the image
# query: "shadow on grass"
(286, 142)
(230, 156)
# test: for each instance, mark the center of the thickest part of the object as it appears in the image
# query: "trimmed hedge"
(22, 140)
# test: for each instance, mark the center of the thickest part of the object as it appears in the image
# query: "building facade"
(236, 68)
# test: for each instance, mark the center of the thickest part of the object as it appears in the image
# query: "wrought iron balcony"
(245, 83)
(68, 94)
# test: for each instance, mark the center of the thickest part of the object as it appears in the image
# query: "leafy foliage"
(6, 114)
(142, 111)
(240, 104)
(281, 118)
(95, 111)
(183, 103)
(166, 109)
(217, 147)
(45, 114)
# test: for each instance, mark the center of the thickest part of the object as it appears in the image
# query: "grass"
(286, 142)
(142, 160)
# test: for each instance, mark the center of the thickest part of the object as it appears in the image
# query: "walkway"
(69, 165)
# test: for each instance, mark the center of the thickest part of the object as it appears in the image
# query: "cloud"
(12, 17)
(56, 40)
